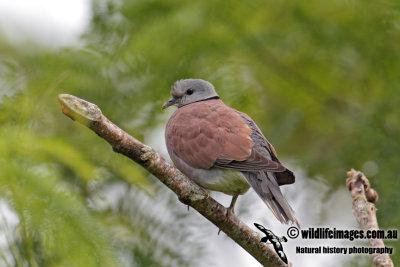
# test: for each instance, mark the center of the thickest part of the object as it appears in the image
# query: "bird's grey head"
(187, 91)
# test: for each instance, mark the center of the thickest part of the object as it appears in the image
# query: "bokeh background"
(320, 78)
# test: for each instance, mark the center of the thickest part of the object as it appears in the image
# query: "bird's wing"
(262, 157)
(263, 147)
(209, 133)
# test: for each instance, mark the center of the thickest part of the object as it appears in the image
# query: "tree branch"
(187, 191)
(364, 199)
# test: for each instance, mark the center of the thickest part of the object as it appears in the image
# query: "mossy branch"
(364, 199)
(187, 191)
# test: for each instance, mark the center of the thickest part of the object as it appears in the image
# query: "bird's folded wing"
(255, 162)
(262, 157)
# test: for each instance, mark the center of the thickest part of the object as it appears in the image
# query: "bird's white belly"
(231, 182)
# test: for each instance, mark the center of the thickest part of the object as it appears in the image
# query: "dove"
(223, 149)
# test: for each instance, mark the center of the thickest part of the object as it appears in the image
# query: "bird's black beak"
(171, 102)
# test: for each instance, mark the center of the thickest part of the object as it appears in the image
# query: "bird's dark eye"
(189, 91)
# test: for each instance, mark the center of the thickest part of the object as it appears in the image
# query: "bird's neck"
(213, 97)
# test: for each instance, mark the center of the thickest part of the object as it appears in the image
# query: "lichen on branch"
(364, 199)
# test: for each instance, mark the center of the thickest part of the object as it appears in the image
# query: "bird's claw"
(229, 212)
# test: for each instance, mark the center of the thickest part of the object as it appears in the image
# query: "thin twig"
(364, 199)
(187, 191)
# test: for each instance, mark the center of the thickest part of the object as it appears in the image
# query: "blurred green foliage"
(321, 79)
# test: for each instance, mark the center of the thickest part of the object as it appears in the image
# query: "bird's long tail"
(266, 186)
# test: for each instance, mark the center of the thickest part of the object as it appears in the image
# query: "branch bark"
(187, 191)
(364, 199)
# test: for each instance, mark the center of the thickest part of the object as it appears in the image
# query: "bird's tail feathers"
(266, 186)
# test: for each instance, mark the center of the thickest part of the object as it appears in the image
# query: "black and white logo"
(271, 238)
